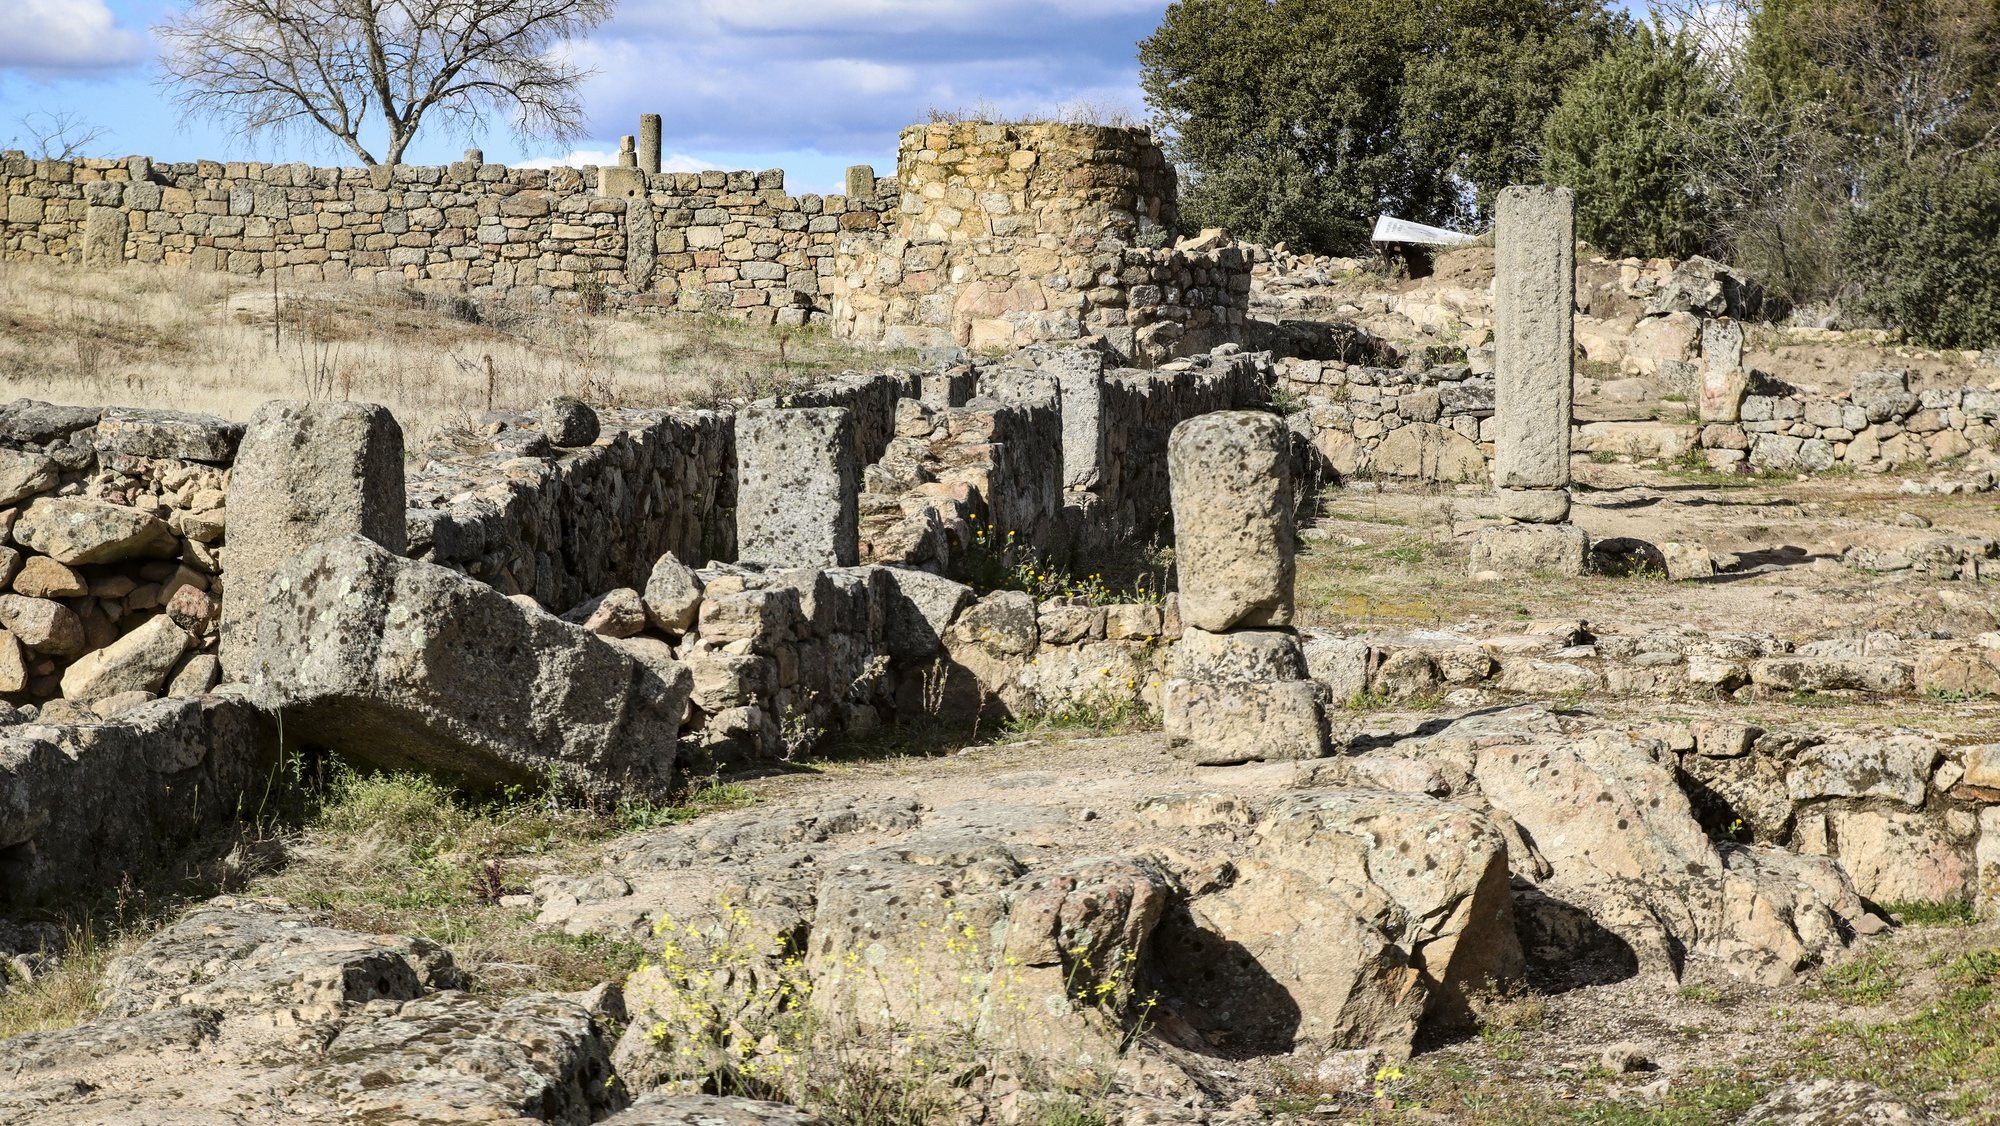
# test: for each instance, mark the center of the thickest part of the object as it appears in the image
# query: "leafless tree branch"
(59, 134)
(273, 66)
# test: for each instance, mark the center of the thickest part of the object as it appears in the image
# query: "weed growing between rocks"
(385, 853)
(993, 561)
(61, 992)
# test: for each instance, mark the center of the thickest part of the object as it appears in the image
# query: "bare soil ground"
(1394, 555)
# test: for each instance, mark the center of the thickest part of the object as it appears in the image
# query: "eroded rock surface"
(249, 1010)
(407, 664)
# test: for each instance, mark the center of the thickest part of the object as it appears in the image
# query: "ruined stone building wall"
(1011, 235)
(1437, 423)
(112, 543)
(561, 525)
(988, 237)
(725, 242)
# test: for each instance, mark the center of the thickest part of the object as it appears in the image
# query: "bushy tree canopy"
(1928, 240)
(1626, 137)
(1304, 119)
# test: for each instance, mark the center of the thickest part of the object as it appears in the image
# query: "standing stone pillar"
(1534, 300)
(304, 473)
(1723, 380)
(649, 142)
(861, 182)
(1534, 339)
(1239, 690)
(628, 154)
(798, 487)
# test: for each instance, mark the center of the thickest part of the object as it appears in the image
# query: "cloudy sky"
(810, 86)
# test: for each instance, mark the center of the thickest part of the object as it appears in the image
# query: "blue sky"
(810, 86)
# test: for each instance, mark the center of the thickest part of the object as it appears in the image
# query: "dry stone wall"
(1011, 235)
(507, 507)
(1436, 423)
(112, 541)
(727, 242)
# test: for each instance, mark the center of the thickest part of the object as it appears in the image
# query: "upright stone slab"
(1079, 376)
(304, 473)
(1231, 491)
(797, 487)
(1534, 297)
(861, 182)
(649, 142)
(1723, 380)
(628, 152)
(104, 238)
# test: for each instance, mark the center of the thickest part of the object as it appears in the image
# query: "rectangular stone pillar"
(304, 473)
(1239, 689)
(1534, 299)
(649, 142)
(104, 238)
(797, 487)
(1079, 376)
(628, 152)
(1229, 479)
(861, 182)
(1723, 380)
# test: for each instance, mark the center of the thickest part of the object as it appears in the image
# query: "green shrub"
(1623, 137)
(1924, 246)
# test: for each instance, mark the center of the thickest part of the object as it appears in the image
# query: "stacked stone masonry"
(722, 242)
(1437, 423)
(989, 236)
(112, 542)
(1011, 235)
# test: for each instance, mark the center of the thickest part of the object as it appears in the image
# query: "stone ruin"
(620, 599)
(989, 237)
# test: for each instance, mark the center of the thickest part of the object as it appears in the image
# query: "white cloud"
(51, 35)
(742, 76)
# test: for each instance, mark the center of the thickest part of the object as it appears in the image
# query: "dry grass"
(145, 336)
(66, 994)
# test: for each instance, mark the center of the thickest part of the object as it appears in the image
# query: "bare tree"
(279, 65)
(59, 134)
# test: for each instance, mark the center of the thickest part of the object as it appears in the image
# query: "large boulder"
(88, 805)
(1221, 723)
(1350, 917)
(1429, 452)
(407, 664)
(305, 473)
(137, 662)
(22, 475)
(1619, 840)
(173, 434)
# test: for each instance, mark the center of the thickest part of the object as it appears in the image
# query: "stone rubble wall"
(958, 480)
(722, 242)
(1012, 235)
(1437, 424)
(112, 545)
(85, 806)
(783, 659)
(562, 525)
(871, 398)
(1140, 408)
